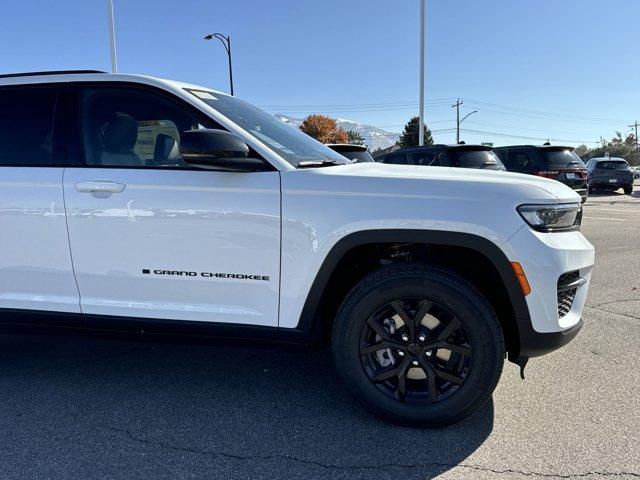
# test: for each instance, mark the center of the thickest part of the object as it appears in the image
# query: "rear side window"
(520, 162)
(26, 126)
(425, 158)
(474, 158)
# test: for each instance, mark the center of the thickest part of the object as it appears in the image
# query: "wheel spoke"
(432, 389)
(431, 385)
(379, 346)
(380, 331)
(461, 349)
(402, 385)
(425, 306)
(404, 316)
(447, 376)
(453, 324)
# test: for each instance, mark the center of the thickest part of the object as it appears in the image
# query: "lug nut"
(422, 338)
(428, 353)
(400, 353)
(415, 363)
(405, 338)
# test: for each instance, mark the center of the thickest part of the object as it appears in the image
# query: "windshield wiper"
(319, 163)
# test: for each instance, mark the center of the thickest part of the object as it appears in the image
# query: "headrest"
(119, 133)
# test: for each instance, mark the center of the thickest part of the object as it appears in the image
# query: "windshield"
(613, 165)
(290, 143)
(562, 158)
(475, 159)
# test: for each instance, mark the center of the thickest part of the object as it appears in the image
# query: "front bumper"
(535, 344)
(545, 258)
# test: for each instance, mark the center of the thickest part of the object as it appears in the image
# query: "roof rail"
(53, 72)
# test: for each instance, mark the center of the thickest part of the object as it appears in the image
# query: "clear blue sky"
(575, 60)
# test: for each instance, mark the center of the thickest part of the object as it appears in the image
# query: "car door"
(153, 237)
(35, 263)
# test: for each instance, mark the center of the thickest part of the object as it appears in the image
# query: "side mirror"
(217, 150)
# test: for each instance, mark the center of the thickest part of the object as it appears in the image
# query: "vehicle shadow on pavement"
(95, 408)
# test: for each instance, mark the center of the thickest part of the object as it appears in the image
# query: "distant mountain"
(375, 138)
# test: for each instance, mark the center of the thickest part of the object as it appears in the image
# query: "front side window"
(290, 143)
(133, 128)
(26, 126)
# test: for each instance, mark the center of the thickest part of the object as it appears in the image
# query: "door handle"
(99, 187)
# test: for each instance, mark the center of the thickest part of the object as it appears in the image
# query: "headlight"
(552, 218)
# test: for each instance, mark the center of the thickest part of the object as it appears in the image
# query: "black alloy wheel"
(415, 350)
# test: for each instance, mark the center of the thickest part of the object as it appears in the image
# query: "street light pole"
(421, 115)
(112, 37)
(226, 42)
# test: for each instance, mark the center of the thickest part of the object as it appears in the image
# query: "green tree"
(617, 147)
(582, 150)
(355, 138)
(409, 137)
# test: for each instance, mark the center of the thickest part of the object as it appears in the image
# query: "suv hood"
(531, 187)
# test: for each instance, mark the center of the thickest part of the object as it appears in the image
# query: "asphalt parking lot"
(95, 408)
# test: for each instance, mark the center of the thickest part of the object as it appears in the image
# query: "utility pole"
(460, 120)
(112, 37)
(457, 106)
(635, 125)
(421, 115)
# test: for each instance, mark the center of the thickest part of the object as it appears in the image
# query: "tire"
(628, 189)
(412, 398)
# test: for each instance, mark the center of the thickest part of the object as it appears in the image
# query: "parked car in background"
(550, 161)
(359, 153)
(462, 156)
(610, 173)
(636, 172)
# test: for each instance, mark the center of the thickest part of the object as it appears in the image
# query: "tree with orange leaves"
(324, 129)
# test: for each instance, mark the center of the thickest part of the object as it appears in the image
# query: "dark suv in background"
(463, 156)
(357, 153)
(559, 163)
(610, 174)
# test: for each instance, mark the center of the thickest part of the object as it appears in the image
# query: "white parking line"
(601, 209)
(606, 218)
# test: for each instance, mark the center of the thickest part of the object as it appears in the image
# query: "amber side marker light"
(522, 278)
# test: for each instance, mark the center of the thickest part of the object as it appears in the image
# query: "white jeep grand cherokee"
(130, 203)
